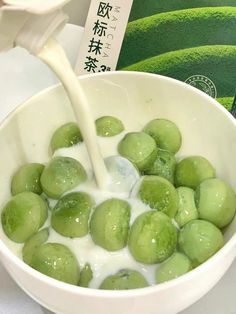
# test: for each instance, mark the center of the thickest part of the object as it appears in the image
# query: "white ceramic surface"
(207, 129)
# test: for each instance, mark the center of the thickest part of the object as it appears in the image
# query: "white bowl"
(208, 130)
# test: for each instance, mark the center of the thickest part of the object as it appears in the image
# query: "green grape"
(164, 165)
(159, 194)
(65, 136)
(175, 266)
(199, 240)
(23, 215)
(187, 209)
(124, 279)
(71, 214)
(191, 171)
(33, 243)
(86, 275)
(108, 126)
(61, 175)
(27, 179)
(165, 133)
(109, 225)
(152, 238)
(57, 261)
(216, 202)
(139, 148)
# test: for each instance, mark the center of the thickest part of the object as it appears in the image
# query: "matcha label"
(103, 36)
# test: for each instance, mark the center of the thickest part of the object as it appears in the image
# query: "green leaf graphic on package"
(176, 30)
(193, 42)
(143, 8)
(210, 61)
(227, 102)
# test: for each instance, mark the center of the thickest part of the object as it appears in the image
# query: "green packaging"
(190, 40)
(193, 41)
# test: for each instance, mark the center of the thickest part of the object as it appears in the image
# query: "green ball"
(216, 202)
(61, 175)
(175, 266)
(57, 261)
(165, 133)
(159, 194)
(191, 171)
(65, 136)
(139, 148)
(109, 225)
(71, 214)
(152, 238)
(187, 209)
(199, 240)
(86, 275)
(164, 165)
(108, 126)
(124, 279)
(33, 243)
(27, 179)
(23, 215)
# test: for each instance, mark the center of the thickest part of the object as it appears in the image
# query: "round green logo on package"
(203, 83)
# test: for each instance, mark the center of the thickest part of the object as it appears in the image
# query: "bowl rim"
(230, 245)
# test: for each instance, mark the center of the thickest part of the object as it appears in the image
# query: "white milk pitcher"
(30, 23)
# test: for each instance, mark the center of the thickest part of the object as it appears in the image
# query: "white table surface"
(26, 75)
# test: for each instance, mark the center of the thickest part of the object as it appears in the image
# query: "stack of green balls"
(186, 208)
(186, 191)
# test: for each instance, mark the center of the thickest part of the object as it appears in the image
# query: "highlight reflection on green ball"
(159, 194)
(65, 136)
(109, 224)
(165, 133)
(187, 209)
(108, 126)
(193, 170)
(216, 202)
(57, 261)
(152, 238)
(164, 165)
(61, 175)
(71, 214)
(23, 215)
(199, 240)
(33, 243)
(124, 279)
(175, 266)
(86, 275)
(27, 179)
(139, 148)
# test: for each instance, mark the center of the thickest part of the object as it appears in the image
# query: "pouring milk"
(32, 26)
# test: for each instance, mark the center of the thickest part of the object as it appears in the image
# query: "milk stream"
(54, 56)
